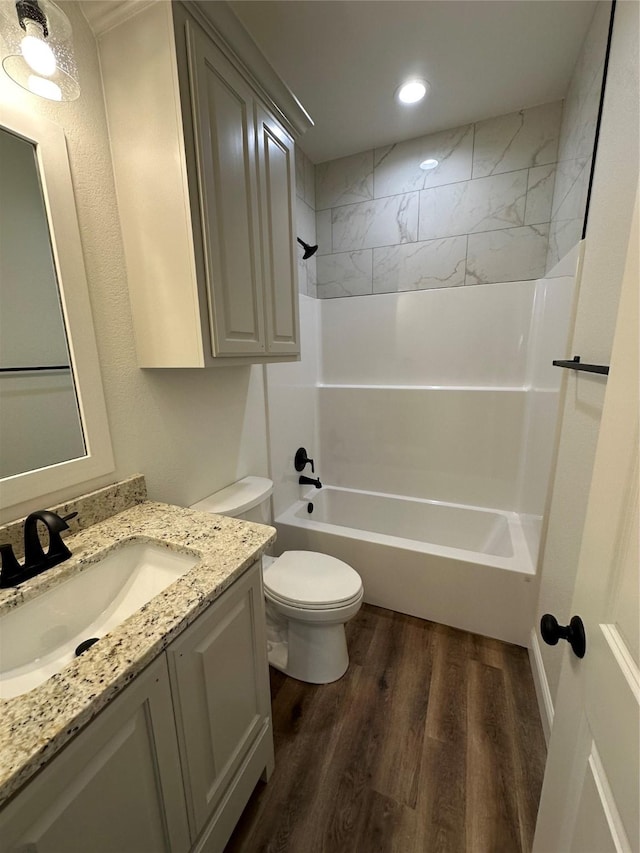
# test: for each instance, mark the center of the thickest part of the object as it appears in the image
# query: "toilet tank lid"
(237, 498)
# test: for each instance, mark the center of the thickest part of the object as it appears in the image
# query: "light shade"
(39, 54)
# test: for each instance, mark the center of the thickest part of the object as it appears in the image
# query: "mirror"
(39, 418)
(53, 425)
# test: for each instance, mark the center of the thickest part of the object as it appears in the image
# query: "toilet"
(308, 596)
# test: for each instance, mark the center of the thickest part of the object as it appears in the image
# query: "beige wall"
(189, 431)
(615, 180)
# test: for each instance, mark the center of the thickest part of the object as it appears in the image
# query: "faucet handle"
(10, 568)
(301, 459)
(56, 524)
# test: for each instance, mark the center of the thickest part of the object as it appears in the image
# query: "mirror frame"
(57, 190)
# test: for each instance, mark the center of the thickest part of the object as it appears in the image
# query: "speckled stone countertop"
(35, 725)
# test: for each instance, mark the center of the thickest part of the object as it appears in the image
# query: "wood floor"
(431, 743)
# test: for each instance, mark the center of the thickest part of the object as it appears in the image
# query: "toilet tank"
(247, 499)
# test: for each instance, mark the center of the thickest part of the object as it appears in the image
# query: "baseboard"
(545, 702)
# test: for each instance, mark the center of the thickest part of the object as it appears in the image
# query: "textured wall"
(481, 216)
(577, 137)
(189, 431)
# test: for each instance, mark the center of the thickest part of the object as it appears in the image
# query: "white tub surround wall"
(416, 394)
(471, 337)
(460, 445)
(445, 395)
(577, 138)
(291, 397)
(306, 220)
(481, 216)
(551, 321)
(448, 394)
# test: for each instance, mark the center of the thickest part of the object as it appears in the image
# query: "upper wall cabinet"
(203, 160)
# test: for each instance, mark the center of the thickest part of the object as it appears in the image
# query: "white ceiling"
(344, 59)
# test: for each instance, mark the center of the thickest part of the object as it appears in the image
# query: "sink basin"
(39, 638)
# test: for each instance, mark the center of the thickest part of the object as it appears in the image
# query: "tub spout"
(307, 481)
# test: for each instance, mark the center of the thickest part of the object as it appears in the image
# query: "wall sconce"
(37, 48)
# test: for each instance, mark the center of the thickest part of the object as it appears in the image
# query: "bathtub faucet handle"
(301, 459)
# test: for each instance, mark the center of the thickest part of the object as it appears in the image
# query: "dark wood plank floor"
(431, 743)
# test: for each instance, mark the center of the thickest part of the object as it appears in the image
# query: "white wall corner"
(543, 694)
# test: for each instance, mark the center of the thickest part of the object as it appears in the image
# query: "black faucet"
(35, 558)
(307, 481)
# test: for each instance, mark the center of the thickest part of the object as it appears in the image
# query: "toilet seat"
(301, 605)
(308, 580)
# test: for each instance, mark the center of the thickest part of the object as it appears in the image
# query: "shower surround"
(431, 400)
(440, 397)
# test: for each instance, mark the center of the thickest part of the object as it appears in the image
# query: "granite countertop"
(35, 725)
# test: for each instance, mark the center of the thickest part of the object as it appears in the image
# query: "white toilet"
(309, 596)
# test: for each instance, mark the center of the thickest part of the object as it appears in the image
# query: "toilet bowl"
(309, 597)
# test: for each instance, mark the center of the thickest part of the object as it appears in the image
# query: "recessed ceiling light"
(412, 91)
(430, 163)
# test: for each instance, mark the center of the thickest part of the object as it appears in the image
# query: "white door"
(591, 792)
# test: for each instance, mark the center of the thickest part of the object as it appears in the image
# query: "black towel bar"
(575, 364)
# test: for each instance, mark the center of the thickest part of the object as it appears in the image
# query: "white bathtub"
(463, 566)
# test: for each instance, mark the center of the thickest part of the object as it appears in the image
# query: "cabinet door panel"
(221, 693)
(222, 105)
(277, 207)
(104, 791)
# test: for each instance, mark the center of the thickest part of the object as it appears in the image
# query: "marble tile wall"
(577, 138)
(305, 220)
(482, 216)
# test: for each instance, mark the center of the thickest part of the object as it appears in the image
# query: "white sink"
(39, 638)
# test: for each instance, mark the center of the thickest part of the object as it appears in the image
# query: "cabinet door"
(116, 788)
(277, 214)
(220, 683)
(224, 124)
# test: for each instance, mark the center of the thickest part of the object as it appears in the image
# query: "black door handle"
(573, 633)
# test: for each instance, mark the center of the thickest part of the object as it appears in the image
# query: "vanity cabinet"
(171, 762)
(220, 684)
(205, 177)
(115, 787)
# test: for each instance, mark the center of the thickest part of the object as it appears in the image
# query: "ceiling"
(344, 59)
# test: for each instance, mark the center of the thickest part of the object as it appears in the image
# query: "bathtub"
(468, 567)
